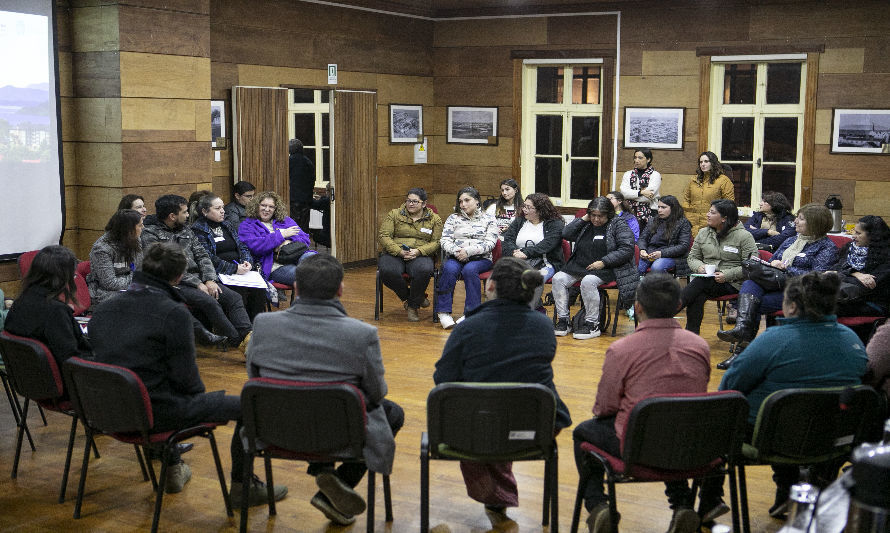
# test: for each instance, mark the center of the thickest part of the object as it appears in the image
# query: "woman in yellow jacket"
(709, 184)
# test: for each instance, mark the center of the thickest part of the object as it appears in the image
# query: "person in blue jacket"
(774, 223)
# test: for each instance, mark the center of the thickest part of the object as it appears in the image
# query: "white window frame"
(322, 111)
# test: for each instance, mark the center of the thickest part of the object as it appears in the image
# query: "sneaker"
(684, 521)
(461, 319)
(497, 516)
(779, 510)
(562, 327)
(630, 312)
(339, 494)
(177, 476)
(322, 504)
(243, 345)
(425, 303)
(446, 320)
(714, 512)
(256, 493)
(587, 330)
(412, 315)
(600, 519)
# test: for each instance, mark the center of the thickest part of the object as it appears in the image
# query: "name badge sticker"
(731, 249)
(801, 254)
(426, 230)
(219, 239)
(599, 237)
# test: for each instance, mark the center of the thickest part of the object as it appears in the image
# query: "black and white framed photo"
(654, 127)
(405, 123)
(472, 125)
(860, 131)
(218, 124)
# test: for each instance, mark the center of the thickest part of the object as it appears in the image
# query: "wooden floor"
(118, 500)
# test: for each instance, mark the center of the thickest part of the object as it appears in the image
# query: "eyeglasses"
(409, 201)
(528, 207)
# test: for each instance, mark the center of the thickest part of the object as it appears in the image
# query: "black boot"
(745, 328)
(736, 350)
(206, 337)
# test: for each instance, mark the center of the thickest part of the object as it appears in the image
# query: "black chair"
(14, 403)
(305, 421)
(378, 290)
(491, 423)
(808, 426)
(670, 438)
(34, 375)
(112, 400)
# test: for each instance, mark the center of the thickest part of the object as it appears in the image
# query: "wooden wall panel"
(491, 32)
(792, 21)
(823, 126)
(157, 31)
(223, 76)
(164, 163)
(95, 205)
(672, 91)
(95, 120)
(261, 122)
(451, 178)
(850, 166)
(98, 74)
(66, 83)
(842, 61)
(853, 90)
(877, 56)
(472, 61)
(164, 76)
(845, 188)
(95, 29)
(474, 91)
(201, 7)
(670, 63)
(674, 23)
(469, 154)
(581, 30)
(871, 199)
(158, 119)
(98, 164)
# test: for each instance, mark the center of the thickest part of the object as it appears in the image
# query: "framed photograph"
(218, 124)
(860, 131)
(473, 125)
(405, 123)
(654, 127)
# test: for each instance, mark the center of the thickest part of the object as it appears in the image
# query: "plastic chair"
(112, 400)
(491, 423)
(671, 438)
(808, 426)
(34, 375)
(305, 421)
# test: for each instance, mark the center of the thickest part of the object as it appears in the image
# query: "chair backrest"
(684, 431)
(839, 240)
(496, 252)
(580, 212)
(312, 418)
(25, 261)
(811, 425)
(31, 367)
(765, 255)
(82, 290)
(566, 250)
(433, 208)
(491, 419)
(108, 398)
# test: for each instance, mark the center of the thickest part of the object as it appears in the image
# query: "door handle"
(759, 163)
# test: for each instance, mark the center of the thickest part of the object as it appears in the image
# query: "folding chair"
(670, 438)
(305, 421)
(491, 423)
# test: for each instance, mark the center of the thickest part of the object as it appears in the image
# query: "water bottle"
(801, 511)
(870, 500)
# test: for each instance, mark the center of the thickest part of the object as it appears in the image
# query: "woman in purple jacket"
(265, 230)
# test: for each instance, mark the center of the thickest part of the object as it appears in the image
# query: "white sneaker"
(459, 320)
(446, 320)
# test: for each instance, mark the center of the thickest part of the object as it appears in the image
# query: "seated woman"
(810, 250)
(44, 309)
(524, 354)
(115, 256)
(266, 230)
(604, 252)
(724, 243)
(507, 206)
(227, 253)
(236, 210)
(863, 265)
(134, 202)
(535, 235)
(664, 244)
(468, 237)
(617, 200)
(640, 186)
(410, 237)
(809, 350)
(773, 223)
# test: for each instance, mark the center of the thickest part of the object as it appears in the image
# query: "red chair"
(112, 400)
(840, 240)
(24, 262)
(670, 438)
(82, 292)
(281, 421)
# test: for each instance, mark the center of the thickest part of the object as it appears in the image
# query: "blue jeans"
(662, 264)
(453, 269)
(769, 301)
(286, 274)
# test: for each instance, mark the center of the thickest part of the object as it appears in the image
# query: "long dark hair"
(814, 293)
(878, 241)
(545, 208)
(603, 205)
(466, 190)
(671, 221)
(716, 167)
(728, 209)
(514, 280)
(121, 230)
(53, 269)
(127, 202)
(501, 204)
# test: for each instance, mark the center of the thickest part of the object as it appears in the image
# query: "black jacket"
(49, 321)
(301, 179)
(551, 245)
(619, 255)
(679, 243)
(785, 225)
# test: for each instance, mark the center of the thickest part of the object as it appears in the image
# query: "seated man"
(221, 305)
(159, 347)
(658, 358)
(314, 340)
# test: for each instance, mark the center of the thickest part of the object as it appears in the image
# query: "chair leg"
(16, 410)
(270, 485)
(424, 483)
(387, 498)
(141, 462)
(68, 459)
(378, 300)
(583, 478)
(83, 474)
(615, 318)
(435, 293)
(18, 444)
(159, 492)
(151, 471)
(372, 493)
(545, 518)
(248, 474)
(95, 449)
(219, 473)
(554, 493)
(613, 503)
(42, 414)
(734, 497)
(743, 499)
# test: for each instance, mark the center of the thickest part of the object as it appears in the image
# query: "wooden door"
(260, 137)
(354, 176)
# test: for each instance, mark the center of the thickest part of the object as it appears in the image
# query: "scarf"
(796, 247)
(856, 256)
(639, 181)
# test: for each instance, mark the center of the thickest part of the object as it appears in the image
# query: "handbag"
(770, 278)
(290, 253)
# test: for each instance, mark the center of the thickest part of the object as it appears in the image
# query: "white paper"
(315, 219)
(420, 152)
(250, 279)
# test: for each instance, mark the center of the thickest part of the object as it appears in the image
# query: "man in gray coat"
(314, 340)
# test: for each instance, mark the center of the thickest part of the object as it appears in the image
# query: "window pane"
(783, 83)
(549, 85)
(325, 129)
(740, 174)
(780, 139)
(548, 176)
(585, 136)
(585, 176)
(739, 83)
(325, 97)
(549, 135)
(738, 139)
(303, 96)
(586, 85)
(779, 178)
(326, 164)
(304, 128)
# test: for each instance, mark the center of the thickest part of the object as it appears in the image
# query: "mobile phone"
(405, 247)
